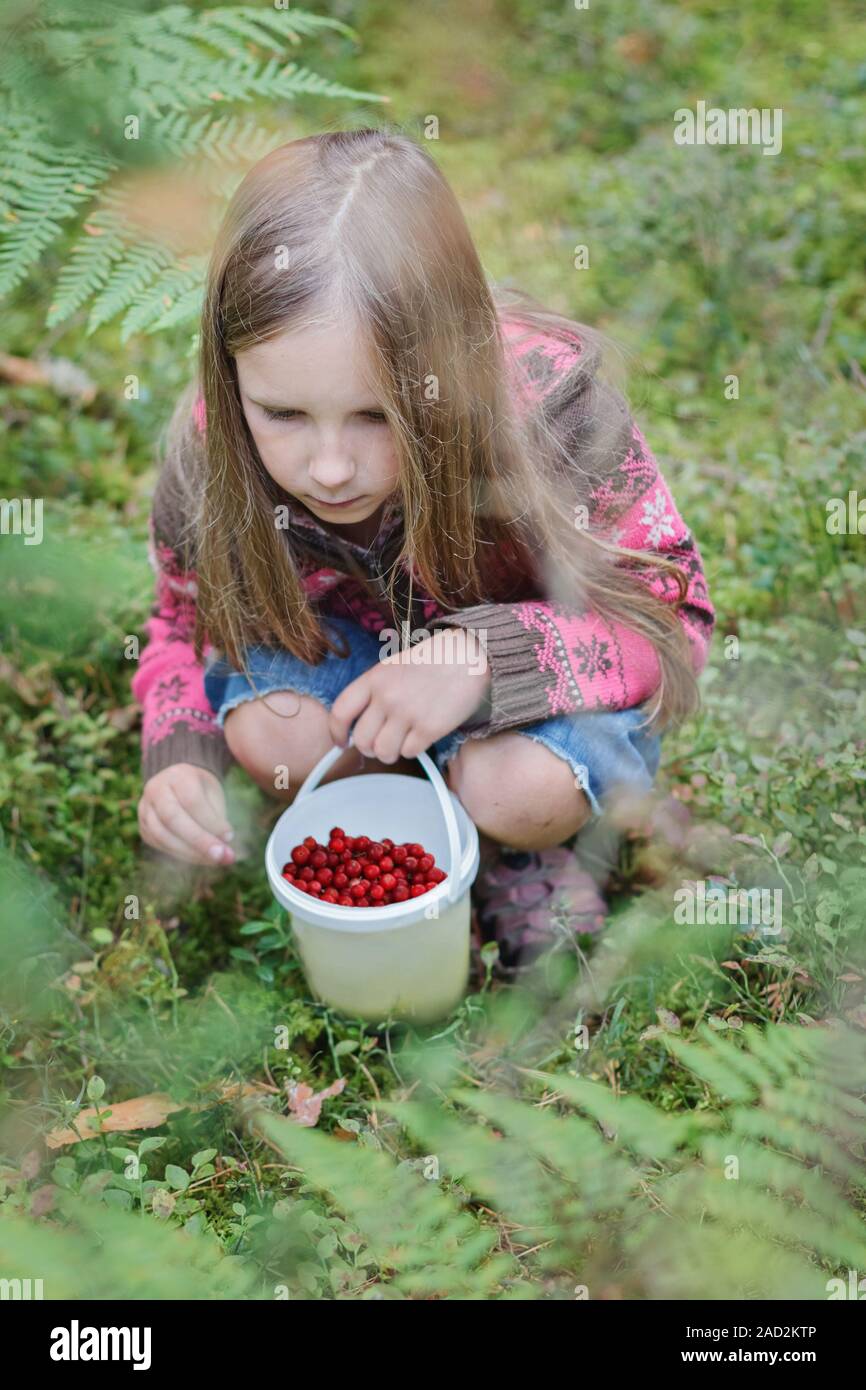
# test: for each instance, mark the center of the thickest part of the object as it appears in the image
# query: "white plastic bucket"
(407, 960)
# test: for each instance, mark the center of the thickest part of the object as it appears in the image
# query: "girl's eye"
(375, 417)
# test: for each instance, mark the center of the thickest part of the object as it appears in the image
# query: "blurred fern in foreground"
(88, 91)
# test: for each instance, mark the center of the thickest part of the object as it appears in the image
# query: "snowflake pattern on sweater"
(545, 660)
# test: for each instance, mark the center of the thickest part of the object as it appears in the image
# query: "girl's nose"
(331, 467)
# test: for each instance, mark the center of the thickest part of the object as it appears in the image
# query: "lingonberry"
(357, 871)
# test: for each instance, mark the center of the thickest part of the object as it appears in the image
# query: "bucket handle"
(312, 781)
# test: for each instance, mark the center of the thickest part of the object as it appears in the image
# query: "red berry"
(401, 893)
(418, 889)
(411, 864)
(377, 892)
(436, 876)
(400, 872)
(376, 851)
(340, 879)
(325, 876)
(389, 844)
(300, 854)
(388, 881)
(336, 833)
(417, 850)
(399, 854)
(333, 860)
(363, 902)
(318, 858)
(311, 842)
(357, 890)
(425, 863)
(345, 901)
(372, 871)
(362, 842)
(337, 844)
(353, 868)
(330, 895)
(386, 863)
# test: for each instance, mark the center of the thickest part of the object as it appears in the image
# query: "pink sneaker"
(528, 899)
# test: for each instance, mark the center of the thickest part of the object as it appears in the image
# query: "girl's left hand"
(408, 701)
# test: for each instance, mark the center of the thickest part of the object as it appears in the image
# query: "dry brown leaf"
(143, 1112)
(305, 1105)
(148, 1112)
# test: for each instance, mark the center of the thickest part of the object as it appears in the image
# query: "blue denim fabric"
(603, 749)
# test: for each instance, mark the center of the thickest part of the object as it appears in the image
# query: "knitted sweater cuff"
(518, 693)
(186, 744)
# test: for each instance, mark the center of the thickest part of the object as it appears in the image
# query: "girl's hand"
(409, 700)
(182, 812)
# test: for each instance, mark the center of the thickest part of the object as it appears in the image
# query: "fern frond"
(89, 264)
(173, 298)
(140, 267)
(412, 1226)
(177, 70)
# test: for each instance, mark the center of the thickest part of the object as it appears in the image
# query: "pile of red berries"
(355, 871)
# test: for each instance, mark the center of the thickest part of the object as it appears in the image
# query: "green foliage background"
(563, 1161)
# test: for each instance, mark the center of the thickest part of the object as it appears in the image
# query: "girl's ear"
(200, 414)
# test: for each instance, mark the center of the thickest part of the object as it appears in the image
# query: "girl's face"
(320, 432)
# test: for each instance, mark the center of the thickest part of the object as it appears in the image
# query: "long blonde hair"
(364, 222)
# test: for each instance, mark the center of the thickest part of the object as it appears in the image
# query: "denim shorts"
(603, 749)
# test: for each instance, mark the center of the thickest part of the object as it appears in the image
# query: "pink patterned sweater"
(544, 660)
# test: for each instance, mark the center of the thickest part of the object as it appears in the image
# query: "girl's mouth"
(348, 503)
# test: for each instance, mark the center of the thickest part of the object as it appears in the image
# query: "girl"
(381, 442)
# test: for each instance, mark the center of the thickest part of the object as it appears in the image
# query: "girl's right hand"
(182, 812)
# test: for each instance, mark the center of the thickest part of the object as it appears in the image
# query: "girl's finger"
(213, 809)
(414, 743)
(155, 834)
(182, 825)
(367, 730)
(349, 704)
(390, 740)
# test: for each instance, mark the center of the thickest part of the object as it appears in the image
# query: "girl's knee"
(278, 739)
(517, 791)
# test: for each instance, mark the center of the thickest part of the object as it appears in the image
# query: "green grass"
(703, 264)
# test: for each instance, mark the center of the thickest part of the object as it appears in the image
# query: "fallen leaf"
(124, 717)
(668, 1020)
(43, 1200)
(30, 1164)
(305, 1105)
(144, 1112)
